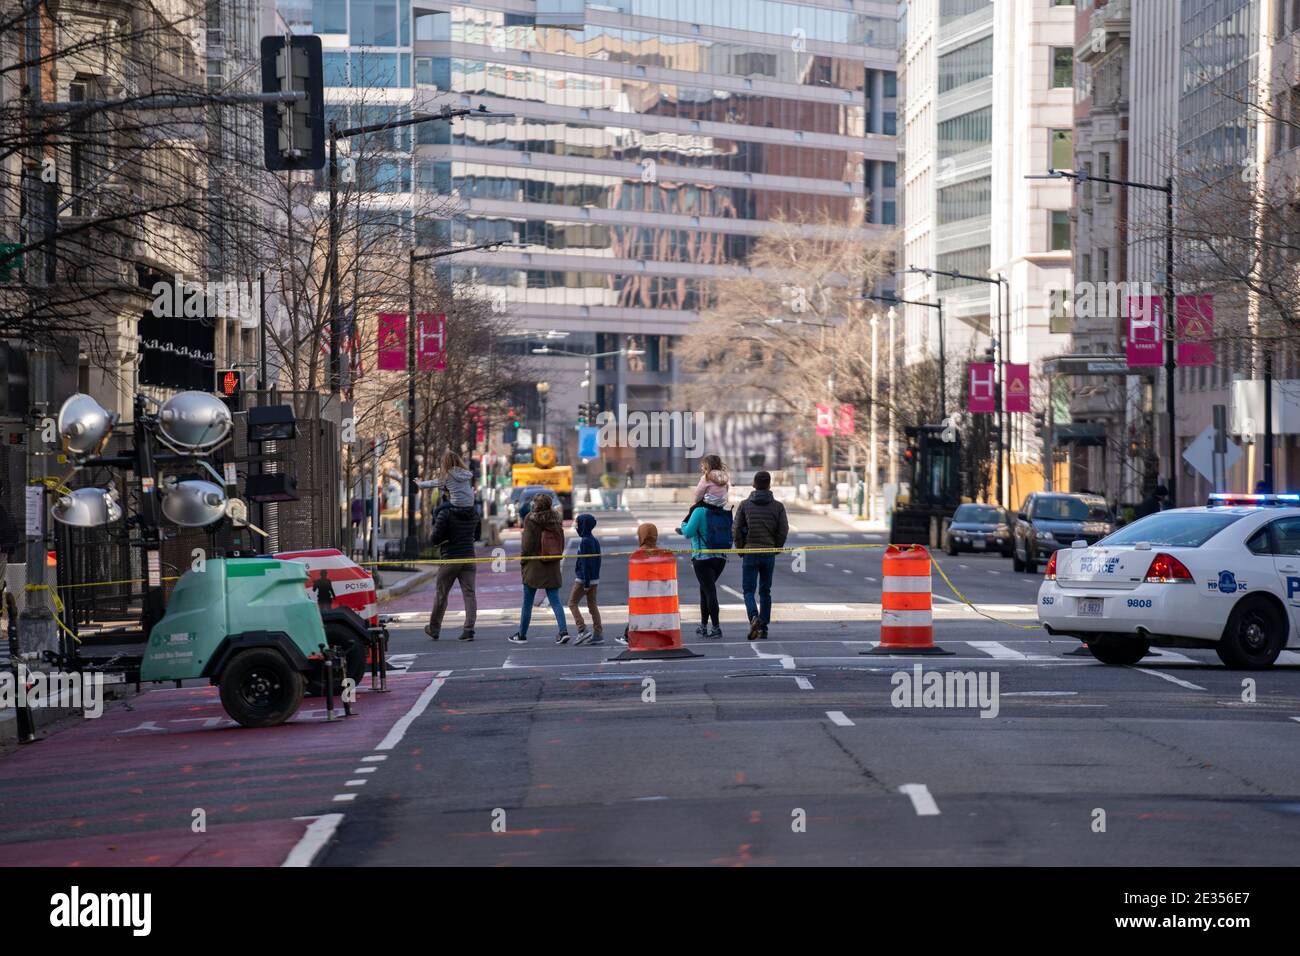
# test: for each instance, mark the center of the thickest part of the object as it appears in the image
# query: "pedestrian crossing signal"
(230, 383)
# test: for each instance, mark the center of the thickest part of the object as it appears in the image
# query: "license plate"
(978, 543)
(1088, 607)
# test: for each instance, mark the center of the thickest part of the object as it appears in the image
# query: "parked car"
(976, 527)
(1051, 520)
(520, 500)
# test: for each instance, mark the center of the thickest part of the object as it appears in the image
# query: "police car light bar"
(1230, 500)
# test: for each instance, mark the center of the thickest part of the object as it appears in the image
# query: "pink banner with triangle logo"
(1195, 329)
(1017, 387)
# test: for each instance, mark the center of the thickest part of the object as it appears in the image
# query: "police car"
(1225, 576)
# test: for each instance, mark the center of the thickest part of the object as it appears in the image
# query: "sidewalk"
(843, 515)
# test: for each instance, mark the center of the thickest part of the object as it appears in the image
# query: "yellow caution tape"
(965, 600)
(58, 607)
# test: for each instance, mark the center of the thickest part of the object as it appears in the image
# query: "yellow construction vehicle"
(536, 466)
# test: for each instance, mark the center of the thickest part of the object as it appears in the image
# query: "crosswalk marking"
(1288, 657)
(1172, 657)
(1170, 677)
(998, 651)
(837, 717)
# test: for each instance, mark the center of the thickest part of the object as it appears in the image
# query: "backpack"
(717, 529)
(552, 543)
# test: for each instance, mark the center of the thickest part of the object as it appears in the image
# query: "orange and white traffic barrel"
(906, 611)
(654, 621)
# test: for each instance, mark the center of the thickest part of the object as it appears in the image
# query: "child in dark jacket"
(586, 578)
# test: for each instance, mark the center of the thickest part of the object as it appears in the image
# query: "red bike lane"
(128, 788)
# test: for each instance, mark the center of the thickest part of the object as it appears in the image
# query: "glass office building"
(652, 142)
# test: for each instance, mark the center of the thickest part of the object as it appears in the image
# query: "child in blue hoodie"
(586, 578)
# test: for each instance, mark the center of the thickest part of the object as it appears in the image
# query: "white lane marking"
(787, 663)
(996, 650)
(1296, 719)
(828, 607)
(870, 578)
(731, 590)
(838, 719)
(399, 729)
(847, 571)
(945, 599)
(803, 683)
(829, 565)
(1288, 657)
(922, 802)
(373, 769)
(838, 534)
(318, 833)
(1173, 658)
(344, 797)
(360, 782)
(1171, 678)
(374, 758)
(1041, 693)
(966, 566)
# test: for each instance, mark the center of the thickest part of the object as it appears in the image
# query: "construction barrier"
(354, 587)
(906, 612)
(654, 621)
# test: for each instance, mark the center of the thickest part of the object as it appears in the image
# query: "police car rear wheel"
(1119, 652)
(1254, 636)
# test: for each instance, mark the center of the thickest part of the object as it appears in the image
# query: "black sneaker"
(517, 638)
(596, 639)
(762, 632)
(622, 639)
(701, 630)
(715, 632)
(562, 637)
(754, 628)
(466, 636)
(428, 629)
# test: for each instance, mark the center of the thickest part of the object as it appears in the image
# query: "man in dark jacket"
(760, 523)
(1152, 503)
(455, 529)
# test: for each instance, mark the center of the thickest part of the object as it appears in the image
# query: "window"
(1175, 529)
(1103, 265)
(1103, 169)
(1062, 67)
(965, 200)
(968, 131)
(330, 16)
(1285, 536)
(1060, 230)
(374, 22)
(1062, 148)
(966, 64)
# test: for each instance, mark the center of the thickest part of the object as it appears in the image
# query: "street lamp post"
(411, 546)
(943, 361)
(543, 389)
(999, 356)
(334, 134)
(872, 464)
(1171, 362)
(828, 445)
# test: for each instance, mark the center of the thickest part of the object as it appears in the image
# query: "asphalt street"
(800, 749)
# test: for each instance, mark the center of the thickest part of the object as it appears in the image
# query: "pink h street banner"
(982, 381)
(1195, 329)
(1017, 387)
(1145, 325)
(431, 343)
(392, 341)
(825, 420)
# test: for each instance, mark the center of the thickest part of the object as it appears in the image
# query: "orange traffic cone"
(906, 614)
(654, 622)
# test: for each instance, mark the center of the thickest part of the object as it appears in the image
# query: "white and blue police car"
(1225, 576)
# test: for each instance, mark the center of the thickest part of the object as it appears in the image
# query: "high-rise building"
(988, 94)
(651, 143)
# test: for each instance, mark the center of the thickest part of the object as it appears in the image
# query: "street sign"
(1200, 454)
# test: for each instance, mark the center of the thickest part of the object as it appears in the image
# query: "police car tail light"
(1166, 569)
(1049, 573)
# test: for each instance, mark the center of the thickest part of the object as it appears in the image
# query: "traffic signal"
(230, 384)
(512, 415)
(293, 133)
(587, 412)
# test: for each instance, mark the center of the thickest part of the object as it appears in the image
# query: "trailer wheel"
(353, 651)
(260, 689)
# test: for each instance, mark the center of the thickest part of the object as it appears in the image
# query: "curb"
(870, 527)
(406, 584)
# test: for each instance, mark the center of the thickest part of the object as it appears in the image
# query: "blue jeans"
(756, 572)
(526, 613)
